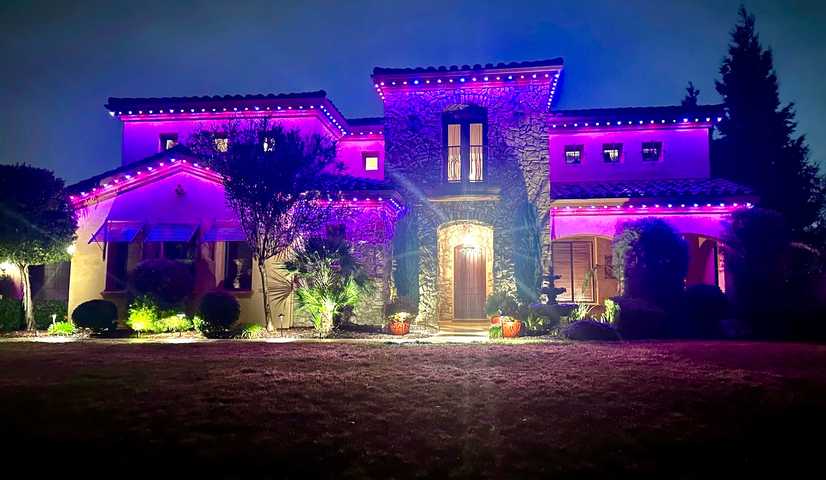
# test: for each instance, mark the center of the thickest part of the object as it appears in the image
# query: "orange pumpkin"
(511, 328)
(399, 328)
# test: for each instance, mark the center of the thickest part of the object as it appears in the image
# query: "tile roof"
(676, 188)
(121, 104)
(552, 62)
(639, 113)
(365, 121)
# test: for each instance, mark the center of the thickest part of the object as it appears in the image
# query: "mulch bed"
(306, 410)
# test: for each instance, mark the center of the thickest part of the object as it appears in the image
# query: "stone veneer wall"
(370, 233)
(517, 162)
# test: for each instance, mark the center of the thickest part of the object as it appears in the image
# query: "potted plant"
(399, 313)
(502, 308)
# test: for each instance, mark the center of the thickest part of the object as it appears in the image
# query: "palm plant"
(329, 281)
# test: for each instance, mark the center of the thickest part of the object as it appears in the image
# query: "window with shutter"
(573, 262)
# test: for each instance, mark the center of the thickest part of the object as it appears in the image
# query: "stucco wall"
(684, 154)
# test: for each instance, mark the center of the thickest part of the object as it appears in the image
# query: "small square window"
(268, 144)
(612, 152)
(652, 151)
(371, 162)
(573, 154)
(168, 140)
(222, 144)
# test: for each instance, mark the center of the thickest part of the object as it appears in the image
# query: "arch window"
(465, 144)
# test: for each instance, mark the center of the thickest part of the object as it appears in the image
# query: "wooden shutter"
(583, 274)
(561, 252)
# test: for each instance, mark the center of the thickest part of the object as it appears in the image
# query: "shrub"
(44, 309)
(702, 311)
(651, 261)
(63, 329)
(501, 303)
(581, 312)
(539, 318)
(611, 311)
(173, 322)
(143, 314)
(590, 330)
(330, 281)
(8, 289)
(637, 318)
(401, 309)
(250, 330)
(100, 316)
(168, 282)
(218, 311)
(11, 314)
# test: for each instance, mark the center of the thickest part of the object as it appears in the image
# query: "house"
(471, 182)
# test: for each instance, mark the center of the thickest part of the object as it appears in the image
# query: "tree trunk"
(265, 293)
(28, 306)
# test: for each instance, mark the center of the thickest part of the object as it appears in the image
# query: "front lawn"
(699, 409)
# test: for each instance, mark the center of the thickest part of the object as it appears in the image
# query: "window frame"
(163, 138)
(573, 148)
(370, 154)
(613, 146)
(659, 151)
(575, 293)
(464, 118)
(111, 283)
(226, 285)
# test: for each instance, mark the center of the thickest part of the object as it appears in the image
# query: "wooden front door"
(468, 283)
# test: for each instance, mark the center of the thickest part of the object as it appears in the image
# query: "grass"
(687, 409)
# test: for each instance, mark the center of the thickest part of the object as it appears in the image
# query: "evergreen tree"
(691, 96)
(757, 144)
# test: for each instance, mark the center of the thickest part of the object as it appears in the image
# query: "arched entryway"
(465, 270)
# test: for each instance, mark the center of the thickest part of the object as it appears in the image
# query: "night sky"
(63, 59)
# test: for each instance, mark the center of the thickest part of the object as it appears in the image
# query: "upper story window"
(465, 141)
(268, 144)
(573, 154)
(371, 162)
(168, 140)
(222, 144)
(652, 151)
(612, 152)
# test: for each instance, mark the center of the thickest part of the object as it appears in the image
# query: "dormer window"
(222, 144)
(573, 154)
(612, 152)
(168, 140)
(465, 141)
(652, 151)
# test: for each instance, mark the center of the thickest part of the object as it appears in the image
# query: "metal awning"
(225, 232)
(117, 231)
(171, 232)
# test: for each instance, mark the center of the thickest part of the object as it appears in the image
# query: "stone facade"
(516, 172)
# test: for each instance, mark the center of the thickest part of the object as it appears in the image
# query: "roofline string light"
(620, 123)
(223, 110)
(471, 78)
(130, 179)
(713, 207)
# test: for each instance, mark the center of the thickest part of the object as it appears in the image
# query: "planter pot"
(511, 329)
(399, 328)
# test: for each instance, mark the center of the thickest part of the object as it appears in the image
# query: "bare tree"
(273, 180)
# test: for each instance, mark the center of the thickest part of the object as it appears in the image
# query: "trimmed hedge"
(638, 319)
(218, 311)
(702, 311)
(11, 314)
(590, 330)
(97, 315)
